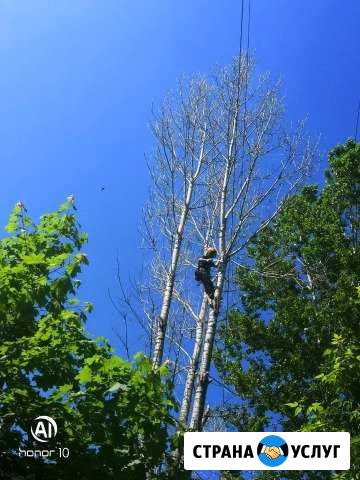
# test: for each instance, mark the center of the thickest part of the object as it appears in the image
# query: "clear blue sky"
(78, 79)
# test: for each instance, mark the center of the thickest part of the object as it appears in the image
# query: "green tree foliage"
(111, 414)
(292, 349)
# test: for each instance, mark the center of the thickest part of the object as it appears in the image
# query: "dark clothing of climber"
(203, 271)
(203, 275)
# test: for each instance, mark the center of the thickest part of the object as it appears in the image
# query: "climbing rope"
(245, 108)
(229, 267)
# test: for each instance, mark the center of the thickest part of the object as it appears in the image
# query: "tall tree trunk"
(169, 288)
(170, 281)
(203, 380)
(193, 366)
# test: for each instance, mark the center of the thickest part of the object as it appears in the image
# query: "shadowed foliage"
(291, 349)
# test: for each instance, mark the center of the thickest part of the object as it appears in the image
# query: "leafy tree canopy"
(292, 348)
(111, 414)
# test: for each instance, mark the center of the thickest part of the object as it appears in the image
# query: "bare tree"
(222, 165)
(256, 164)
(181, 132)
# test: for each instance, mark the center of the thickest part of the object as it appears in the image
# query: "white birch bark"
(168, 292)
(193, 364)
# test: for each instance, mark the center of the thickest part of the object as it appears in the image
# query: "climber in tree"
(203, 272)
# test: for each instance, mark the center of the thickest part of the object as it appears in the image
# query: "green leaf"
(64, 206)
(63, 390)
(88, 307)
(73, 301)
(85, 375)
(116, 387)
(34, 259)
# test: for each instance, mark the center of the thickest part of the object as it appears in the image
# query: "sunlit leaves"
(50, 365)
(299, 306)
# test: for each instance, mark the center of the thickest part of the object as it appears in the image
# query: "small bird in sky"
(102, 189)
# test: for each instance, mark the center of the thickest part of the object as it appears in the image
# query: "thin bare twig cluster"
(221, 166)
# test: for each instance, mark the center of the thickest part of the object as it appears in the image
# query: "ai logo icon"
(44, 429)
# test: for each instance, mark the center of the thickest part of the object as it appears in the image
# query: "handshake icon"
(273, 452)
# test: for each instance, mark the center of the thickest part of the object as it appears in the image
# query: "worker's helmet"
(210, 252)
